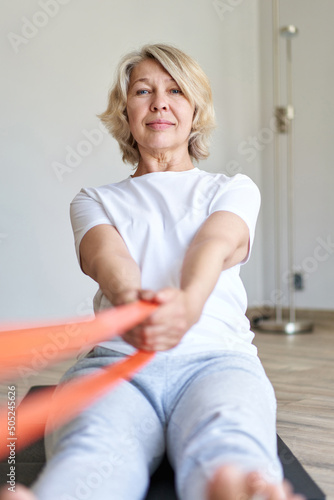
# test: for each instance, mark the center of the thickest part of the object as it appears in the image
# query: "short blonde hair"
(190, 78)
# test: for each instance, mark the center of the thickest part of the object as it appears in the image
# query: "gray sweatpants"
(205, 409)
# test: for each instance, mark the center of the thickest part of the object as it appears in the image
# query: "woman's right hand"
(166, 326)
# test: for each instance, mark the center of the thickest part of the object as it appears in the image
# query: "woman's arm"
(105, 258)
(221, 242)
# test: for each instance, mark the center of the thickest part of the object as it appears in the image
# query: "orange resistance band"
(33, 348)
(76, 395)
(65, 404)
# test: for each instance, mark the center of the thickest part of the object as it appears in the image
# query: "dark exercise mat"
(30, 461)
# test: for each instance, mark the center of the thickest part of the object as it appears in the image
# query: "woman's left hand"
(166, 326)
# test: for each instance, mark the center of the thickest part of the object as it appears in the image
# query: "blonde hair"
(192, 81)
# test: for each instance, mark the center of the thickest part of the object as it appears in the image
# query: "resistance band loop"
(68, 401)
(52, 343)
(74, 396)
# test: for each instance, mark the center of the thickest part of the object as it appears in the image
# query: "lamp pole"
(284, 125)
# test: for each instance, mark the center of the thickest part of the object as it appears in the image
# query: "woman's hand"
(166, 326)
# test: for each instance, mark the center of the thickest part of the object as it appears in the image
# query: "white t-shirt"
(157, 215)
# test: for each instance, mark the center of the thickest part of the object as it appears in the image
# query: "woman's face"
(160, 117)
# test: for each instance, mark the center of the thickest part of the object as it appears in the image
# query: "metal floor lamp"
(284, 125)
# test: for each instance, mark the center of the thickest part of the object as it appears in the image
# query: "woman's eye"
(176, 91)
(142, 92)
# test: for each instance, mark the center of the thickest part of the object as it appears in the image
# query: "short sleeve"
(87, 211)
(241, 196)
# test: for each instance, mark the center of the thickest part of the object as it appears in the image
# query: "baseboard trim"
(316, 315)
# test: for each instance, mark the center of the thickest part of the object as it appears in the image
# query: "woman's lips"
(160, 124)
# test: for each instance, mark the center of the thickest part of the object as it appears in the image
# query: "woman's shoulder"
(224, 179)
(103, 190)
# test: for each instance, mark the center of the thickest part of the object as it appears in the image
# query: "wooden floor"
(301, 369)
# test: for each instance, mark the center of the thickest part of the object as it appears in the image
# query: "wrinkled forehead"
(147, 70)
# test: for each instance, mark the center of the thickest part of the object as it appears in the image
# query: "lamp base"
(286, 327)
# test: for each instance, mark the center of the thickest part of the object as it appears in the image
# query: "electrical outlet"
(298, 281)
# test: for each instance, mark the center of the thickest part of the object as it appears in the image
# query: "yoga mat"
(295, 473)
(30, 462)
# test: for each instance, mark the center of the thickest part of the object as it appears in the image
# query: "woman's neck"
(162, 162)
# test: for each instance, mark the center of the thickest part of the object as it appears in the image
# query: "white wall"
(313, 83)
(56, 81)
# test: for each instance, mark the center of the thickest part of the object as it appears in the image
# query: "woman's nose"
(159, 102)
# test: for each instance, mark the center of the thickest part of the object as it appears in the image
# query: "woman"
(176, 235)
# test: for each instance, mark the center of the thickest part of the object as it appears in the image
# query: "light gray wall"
(56, 80)
(313, 84)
